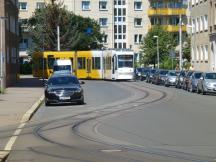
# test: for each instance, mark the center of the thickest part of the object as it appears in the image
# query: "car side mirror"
(45, 83)
(82, 82)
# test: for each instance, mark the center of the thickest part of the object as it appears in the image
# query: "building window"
(201, 53)
(137, 6)
(197, 24)
(137, 38)
(103, 21)
(201, 23)
(85, 5)
(206, 52)
(105, 39)
(40, 5)
(22, 6)
(23, 44)
(192, 54)
(102, 5)
(206, 22)
(138, 22)
(193, 26)
(197, 53)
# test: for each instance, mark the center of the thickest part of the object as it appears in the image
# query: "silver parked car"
(207, 83)
(192, 83)
(170, 79)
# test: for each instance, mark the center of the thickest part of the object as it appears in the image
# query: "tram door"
(88, 69)
(114, 64)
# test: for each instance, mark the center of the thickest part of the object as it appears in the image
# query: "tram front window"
(125, 61)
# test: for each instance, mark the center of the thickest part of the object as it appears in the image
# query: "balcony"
(173, 28)
(166, 11)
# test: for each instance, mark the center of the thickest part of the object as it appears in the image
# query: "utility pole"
(180, 42)
(2, 55)
(58, 38)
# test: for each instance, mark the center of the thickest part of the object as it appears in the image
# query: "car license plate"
(64, 98)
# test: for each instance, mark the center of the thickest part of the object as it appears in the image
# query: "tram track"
(75, 121)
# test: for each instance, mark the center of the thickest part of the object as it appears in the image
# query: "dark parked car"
(149, 75)
(207, 83)
(144, 73)
(137, 73)
(179, 79)
(170, 78)
(186, 79)
(192, 84)
(159, 76)
(63, 88)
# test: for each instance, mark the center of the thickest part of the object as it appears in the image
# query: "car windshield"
(210, 76)
(163, 72)
(197, 75)
(62, 67)
(63, 80)
(172, 73)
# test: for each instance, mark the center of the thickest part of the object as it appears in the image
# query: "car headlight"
(207, 84)
(78, 90)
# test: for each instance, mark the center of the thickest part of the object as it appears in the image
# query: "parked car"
(149, 75)
(186, 79)
(159, 76)
(170, 78)
(207, 83)
(137, 73)
(179, 79)
(144, 73)
(63, 88)
(192, 83)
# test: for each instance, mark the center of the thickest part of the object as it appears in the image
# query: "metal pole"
(180, 42)
(58, 38)
(1, 73)
(158, 61)
(43, 59)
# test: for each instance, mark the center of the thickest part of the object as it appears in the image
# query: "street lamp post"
(158, 61)
(1, 55)
(180, 42)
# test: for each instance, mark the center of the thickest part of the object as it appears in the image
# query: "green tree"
(148, 46)
(73, 29)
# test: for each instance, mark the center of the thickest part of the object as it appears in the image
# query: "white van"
(62, 66)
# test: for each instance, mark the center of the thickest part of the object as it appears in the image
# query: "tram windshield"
(125, 61)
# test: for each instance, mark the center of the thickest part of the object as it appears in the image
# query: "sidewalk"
(14, 103)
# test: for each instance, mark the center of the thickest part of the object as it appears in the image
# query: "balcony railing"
(166, 11)
(172, 28)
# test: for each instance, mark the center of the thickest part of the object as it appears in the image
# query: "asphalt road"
(123, 122)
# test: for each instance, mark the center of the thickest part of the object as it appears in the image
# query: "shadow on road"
(29, 82)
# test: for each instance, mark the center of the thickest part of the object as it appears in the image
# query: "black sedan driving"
(63, 88)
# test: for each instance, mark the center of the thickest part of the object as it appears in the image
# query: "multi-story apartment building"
(124, 22)
(26, 10)
(9, 66)
(168, 13)
(212, 33)
(201, 56)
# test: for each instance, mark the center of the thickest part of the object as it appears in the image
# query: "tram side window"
(81, 62)
(96, 63)
(50, 62)
(41, 63)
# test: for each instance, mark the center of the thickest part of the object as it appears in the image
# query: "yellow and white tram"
(96, 64)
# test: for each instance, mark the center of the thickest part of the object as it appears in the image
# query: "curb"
(26, 117)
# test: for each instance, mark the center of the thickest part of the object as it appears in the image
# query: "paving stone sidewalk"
(15, 102)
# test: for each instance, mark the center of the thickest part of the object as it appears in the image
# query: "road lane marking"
(26, 117)
(110, 151)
